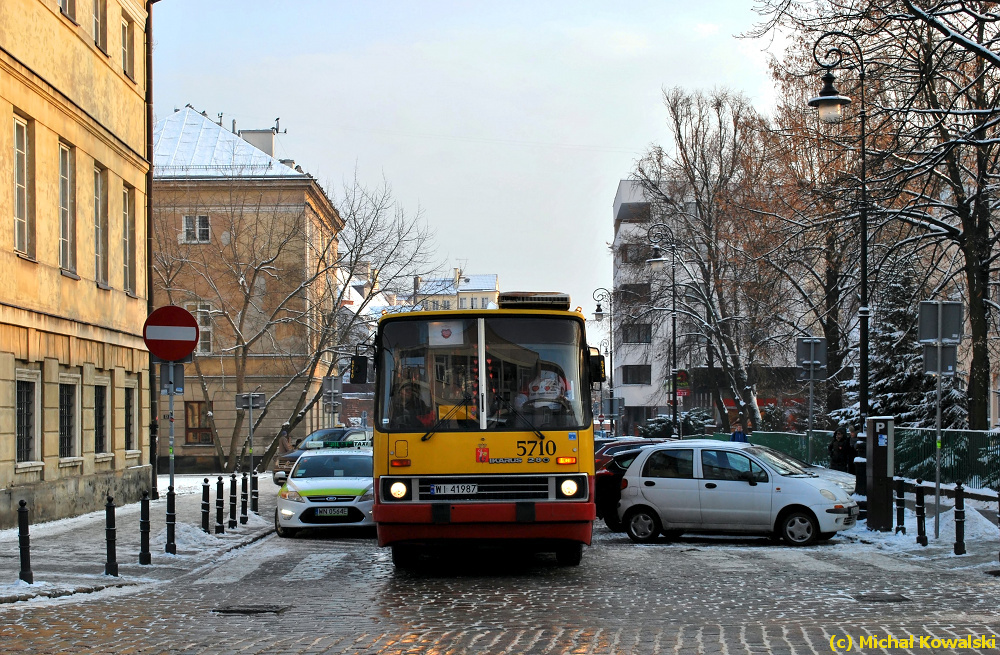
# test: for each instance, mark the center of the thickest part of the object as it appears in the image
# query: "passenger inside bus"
(408, 410)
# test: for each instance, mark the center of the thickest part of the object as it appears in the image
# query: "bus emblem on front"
(482, 455)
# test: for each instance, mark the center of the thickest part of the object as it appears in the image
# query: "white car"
(717, 486)
(327, 487)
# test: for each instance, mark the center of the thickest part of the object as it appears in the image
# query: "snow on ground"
(978, 530)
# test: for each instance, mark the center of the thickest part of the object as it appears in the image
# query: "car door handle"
(710, 485)
(649, 483)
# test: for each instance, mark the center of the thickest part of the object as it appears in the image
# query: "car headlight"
(829, 495)
(288, 494)
(369, 494)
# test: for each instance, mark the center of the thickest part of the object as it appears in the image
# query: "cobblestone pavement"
(337, 592)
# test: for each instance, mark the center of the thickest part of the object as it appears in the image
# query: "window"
(130, 415)
(669, 464)
(100, 418)
(485, 303)
(196, 229)
(446, 304)
(634, 253)
(67, 420)
(461, 303)
(634, 293)
(196, 428)
(202, 313)
(128, 238)
(637, 374)
(472, 303)
(67, 209)
(27, 415)
(100, 24)
(128, 39)
(637, 333)
(724, 465)
(101, 225)
(22, 187)
(68, 8)
(435, 304)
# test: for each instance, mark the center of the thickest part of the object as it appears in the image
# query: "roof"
(188, 144)
(437, 286)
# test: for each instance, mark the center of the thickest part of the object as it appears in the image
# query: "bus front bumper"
(425, 522)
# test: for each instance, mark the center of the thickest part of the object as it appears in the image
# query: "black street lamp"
(831, 105)
(602, 295)
(657, 234)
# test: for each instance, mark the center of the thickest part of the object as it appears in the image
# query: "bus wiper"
(518, 414)
(441, 421)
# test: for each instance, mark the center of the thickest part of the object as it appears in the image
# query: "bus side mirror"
(359, 369)
(597, 373)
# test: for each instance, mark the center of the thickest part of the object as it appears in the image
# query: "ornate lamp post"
(831, 105)
(657, 234)
(602, 295)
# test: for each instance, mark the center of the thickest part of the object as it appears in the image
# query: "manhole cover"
(881, 598)
(994, 573)
(251, 609)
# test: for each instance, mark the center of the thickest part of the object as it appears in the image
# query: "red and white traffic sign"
(170, 333)
(600, 417)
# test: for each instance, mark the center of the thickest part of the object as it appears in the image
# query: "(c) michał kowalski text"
(845, 643)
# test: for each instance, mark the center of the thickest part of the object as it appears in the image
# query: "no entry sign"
(170, 333)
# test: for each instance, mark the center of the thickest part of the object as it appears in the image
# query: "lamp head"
(656, 260)
(829, 102)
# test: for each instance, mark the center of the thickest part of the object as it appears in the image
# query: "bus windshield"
(496, 373)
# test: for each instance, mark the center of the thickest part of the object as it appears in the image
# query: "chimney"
(260, 139)
(458, 277)
(416, 287)
(290, 163)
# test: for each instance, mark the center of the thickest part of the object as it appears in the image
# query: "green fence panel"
(971, 457)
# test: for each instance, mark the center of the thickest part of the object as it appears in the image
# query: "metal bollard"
(959, 519)
(921, 525)
(144, 556)
(243, 500)
(24, 543)
(232, 502)
(171, 547)
(253, 491)
(219, 491)
(900, 506)
(205, 506)
(111, 567)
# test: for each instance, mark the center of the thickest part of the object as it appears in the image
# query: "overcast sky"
(509, 124)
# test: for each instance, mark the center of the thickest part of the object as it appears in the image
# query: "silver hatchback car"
(718, 486)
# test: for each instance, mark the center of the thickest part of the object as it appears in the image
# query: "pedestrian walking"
(285, 443)
(739, 434)
(841, 451)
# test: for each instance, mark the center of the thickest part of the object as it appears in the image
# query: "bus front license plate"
(454, 489)
(331, 511)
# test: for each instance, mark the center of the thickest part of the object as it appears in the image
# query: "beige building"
(247, 243)
(73, 368)
(460, 291)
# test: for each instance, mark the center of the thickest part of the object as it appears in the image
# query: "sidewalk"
(68, 556)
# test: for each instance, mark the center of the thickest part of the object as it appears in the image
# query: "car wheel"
(642, 525)
(287, 533)
(404, 557)
(613, 522)
(799, 529)
(569, 554)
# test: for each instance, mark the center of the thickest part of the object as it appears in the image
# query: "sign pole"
(937, 449)
(170, 394)
(250, 409)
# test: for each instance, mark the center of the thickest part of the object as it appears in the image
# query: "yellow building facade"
(74, 392)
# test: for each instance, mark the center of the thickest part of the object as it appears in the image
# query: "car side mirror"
(749, 477)
(280, 477)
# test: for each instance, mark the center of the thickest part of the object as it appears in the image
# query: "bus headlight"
(569, 487)
(398, 490)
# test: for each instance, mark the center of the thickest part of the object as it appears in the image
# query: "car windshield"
(334, 466)
(782, 464)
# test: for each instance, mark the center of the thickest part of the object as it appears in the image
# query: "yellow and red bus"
(483, 429)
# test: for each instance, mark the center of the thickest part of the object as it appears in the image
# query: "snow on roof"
(478, 283)
(188, 144)
(446, 285)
